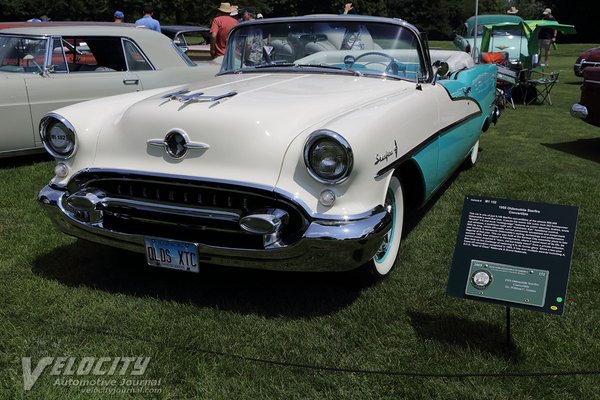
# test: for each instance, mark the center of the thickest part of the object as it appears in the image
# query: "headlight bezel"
(326, 134)
(45, 125)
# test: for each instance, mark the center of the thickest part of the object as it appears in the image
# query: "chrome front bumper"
(326, 245)
(579, 111)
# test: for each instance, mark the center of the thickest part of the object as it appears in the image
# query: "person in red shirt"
(219, 30)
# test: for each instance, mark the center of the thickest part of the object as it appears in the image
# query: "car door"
(80, 69)
(17, 131)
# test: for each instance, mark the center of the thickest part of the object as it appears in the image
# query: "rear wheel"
(385, 257)
(472, 157)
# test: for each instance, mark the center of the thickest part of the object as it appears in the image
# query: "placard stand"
(509, 344)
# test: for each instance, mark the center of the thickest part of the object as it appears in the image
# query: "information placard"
(514, 253)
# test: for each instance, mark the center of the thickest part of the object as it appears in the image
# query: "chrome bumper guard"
(579, 111)
(326, 245)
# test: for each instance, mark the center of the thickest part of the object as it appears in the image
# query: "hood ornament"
(186, 97)
(177, 143)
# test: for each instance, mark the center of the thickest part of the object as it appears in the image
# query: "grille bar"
(204, 212)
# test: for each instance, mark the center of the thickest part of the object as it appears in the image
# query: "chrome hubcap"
(385, 245)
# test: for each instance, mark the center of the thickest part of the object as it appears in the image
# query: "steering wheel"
(391, 66)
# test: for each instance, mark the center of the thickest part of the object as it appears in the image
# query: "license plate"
(182, 256)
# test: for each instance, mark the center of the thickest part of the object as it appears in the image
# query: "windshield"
(347, 47)
(500, 31)
(22, 54)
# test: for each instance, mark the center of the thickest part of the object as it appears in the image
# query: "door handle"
(131, 81)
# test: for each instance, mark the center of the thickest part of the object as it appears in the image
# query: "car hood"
(247, 134)
(592, 54)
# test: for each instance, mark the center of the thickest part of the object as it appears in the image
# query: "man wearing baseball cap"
(546, 36)
(119, 16)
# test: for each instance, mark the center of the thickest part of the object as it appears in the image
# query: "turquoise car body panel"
(447, 150)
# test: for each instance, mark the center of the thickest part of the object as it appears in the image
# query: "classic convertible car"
(44, 67)
(302, 154)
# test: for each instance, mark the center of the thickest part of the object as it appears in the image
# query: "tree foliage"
(439, 18)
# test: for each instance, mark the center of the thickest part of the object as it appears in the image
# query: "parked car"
(44, 67)
(302, 154)
(529, 54)
(589, 58)
(511, 39)
(192, 40)
(588, 108)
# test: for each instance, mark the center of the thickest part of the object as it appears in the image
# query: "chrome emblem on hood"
(176, 143)
(186, 97)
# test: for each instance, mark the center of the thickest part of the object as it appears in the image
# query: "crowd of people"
(230, 15)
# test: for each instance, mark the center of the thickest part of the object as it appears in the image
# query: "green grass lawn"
(65, 297)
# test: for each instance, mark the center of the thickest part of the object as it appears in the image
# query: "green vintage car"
(511, 39)
(529, 57)
(45, 67)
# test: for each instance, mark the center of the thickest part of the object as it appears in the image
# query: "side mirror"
(48, 70)
(29, 57)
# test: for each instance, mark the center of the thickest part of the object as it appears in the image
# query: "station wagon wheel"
(385, 257)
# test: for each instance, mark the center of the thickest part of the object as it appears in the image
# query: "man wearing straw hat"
(219, 30)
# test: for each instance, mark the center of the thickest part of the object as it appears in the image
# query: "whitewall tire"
(387, 254)
(472, 157)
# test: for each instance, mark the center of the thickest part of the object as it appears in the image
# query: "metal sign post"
(475, 31)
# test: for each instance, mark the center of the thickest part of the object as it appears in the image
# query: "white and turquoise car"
(303, 154)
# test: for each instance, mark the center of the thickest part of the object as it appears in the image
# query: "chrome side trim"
(409, 154)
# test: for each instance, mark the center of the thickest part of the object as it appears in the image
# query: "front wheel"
(384, 259)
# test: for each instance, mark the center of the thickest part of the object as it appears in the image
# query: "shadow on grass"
(583, 148)
(20, 161)
(465, 333)
(268, 293)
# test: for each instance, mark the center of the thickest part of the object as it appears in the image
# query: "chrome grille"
(203, 212)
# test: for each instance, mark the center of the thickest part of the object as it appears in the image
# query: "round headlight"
(58, 136)
(328, 157)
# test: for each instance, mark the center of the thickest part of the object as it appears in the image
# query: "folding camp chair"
(542, 85)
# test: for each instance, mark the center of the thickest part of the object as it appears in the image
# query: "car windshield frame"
(12, 58)
(363, 46)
